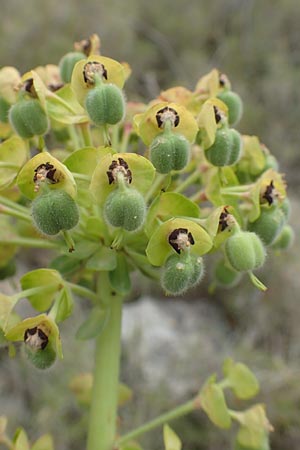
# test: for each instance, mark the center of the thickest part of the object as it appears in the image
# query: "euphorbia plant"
(111, 189)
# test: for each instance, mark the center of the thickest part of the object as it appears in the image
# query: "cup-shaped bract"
(44, 168)
(159, 247)
(110, 71)
(151, 123)
(140, 174)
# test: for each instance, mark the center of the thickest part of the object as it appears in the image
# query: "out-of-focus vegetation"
(256, 43)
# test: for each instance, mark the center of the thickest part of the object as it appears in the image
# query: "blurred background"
(178, 343)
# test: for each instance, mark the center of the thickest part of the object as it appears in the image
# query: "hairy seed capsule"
(245, 251)
(41, 359)
(105, 104)
(169, 151)
(28, 118)
(269, 224)
(38, 348)
(285, 239)
(226, 149)
(54, 211)
(234, 104)
(67, 63)
(125, 209)
(181, 272)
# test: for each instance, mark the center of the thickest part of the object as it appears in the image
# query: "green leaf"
(169, 205)
(158, 248)
(20, 440)
(213, 403)
(6, 306)
(65, 304)
(50, 279)
(45, 442)
(104, 259)
(94, 324)
(63, 106)
(254, 429)
(84, 160)
(142, 170)
(119, 278)
(65, 265)
(243, 382)
(171, 440)
(13, 155)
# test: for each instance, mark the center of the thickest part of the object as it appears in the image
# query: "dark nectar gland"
(119, 167)
(92, 69)
(181, 239)
(44, 172)
(167, 114)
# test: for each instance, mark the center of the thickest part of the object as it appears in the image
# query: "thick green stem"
(194, 176)
(30, 242)
(103, 413)
(175, 413)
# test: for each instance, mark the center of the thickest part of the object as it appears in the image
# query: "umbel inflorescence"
(115, 187)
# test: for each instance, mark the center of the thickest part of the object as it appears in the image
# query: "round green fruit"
(226, 149)
(234, 104)
(181, 272)
(245, 251)
(67, 63)
(225, 275)
(41, 358)
(169, 151)
(105, 104)
(285, 238)
(54, 211)
(269, 224)
(125, 208)
(28, 118)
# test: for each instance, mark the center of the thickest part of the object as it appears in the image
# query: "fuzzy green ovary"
(225, 275)
(67, 63)
(245, 251)
(41, 359)
(28, 118)
(54, 211)
(269, 224)
(125, 209)
(105, 105)
(226, 149)
(234, 104)
(181, 273)
(169, 152)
